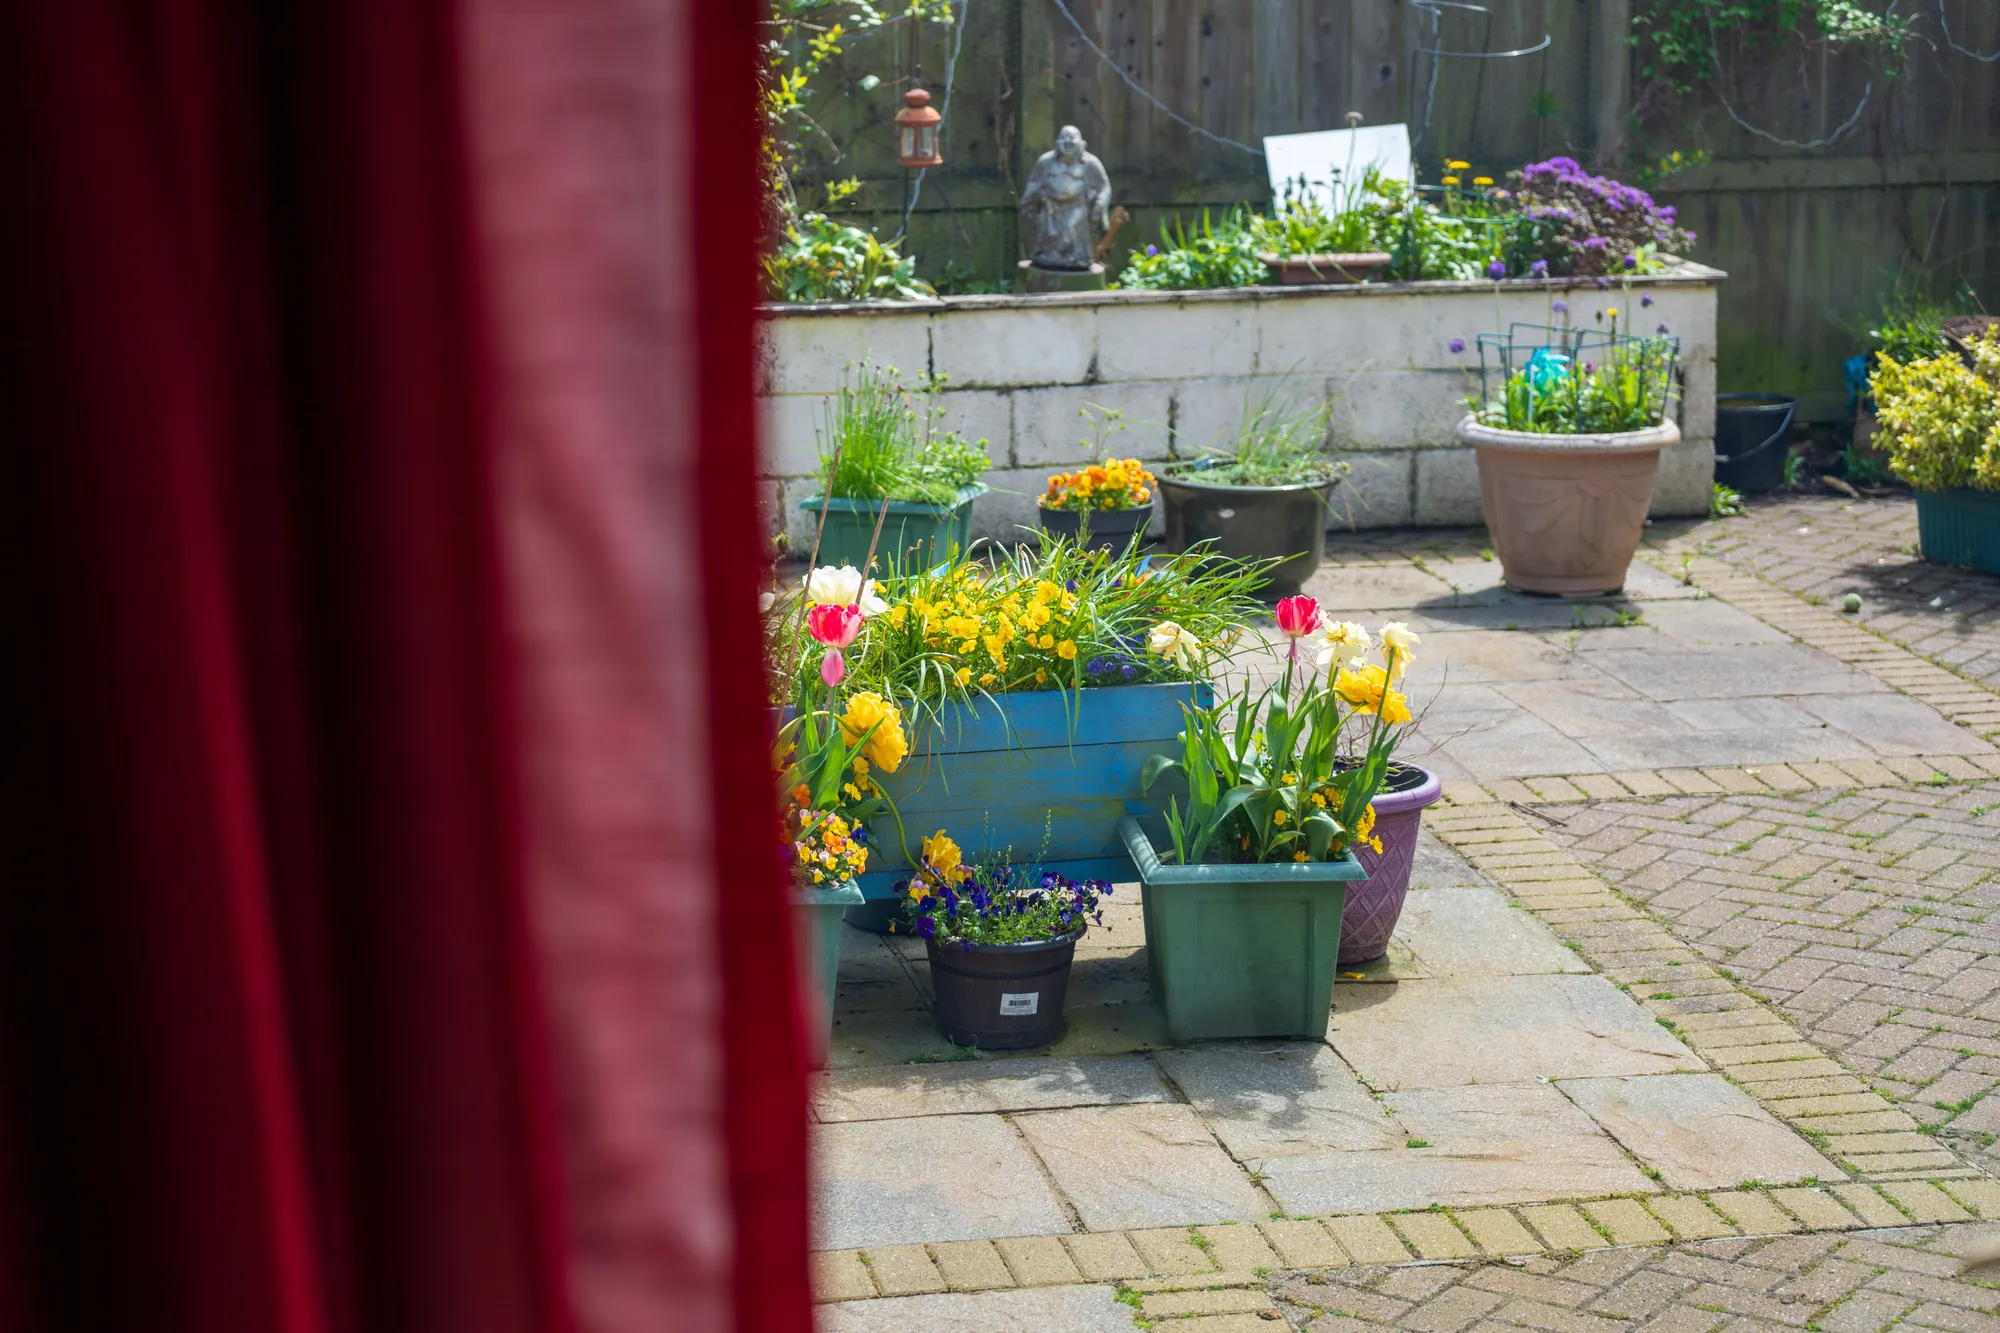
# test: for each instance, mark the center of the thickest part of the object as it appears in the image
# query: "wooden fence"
(1811, 238)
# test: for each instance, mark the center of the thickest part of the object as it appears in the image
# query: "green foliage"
(1724, 502)
(1206, 254)
(1302, 225)
(1628, 387)
(1941, 418)
(881, 441)
(1677, 38)
(819, 259)
(1280, 440)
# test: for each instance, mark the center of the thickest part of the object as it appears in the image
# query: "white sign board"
(1331, 160)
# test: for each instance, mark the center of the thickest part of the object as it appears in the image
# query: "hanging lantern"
(917, 131)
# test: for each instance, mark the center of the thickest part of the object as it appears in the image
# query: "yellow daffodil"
(1367, 690)
(886, 747)
(1167, 639)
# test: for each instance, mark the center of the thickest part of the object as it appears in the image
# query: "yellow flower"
(1300, 856)
(1397, 641)
(964, 675)
(1046, 592)
(886, 747)
(1319, 800)
(1066, 650)
(1041, 676)
(1449, 180)
(1365, 825)
(1278, 817)
(987, 678)
(1482, 180)
(942, 854)
(1367, 691)
(919, 890)
(1457, 165)
(1167, 639)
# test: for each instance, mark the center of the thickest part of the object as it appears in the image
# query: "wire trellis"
(1438, 54)
(1586, 379)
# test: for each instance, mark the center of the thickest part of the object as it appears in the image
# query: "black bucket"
(1002, 997)
(1753, 437)
(1111, 530)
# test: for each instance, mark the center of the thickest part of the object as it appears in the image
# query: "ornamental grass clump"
(880, 440)
(967, 905)
(1206, 254)
(1280, 440)
(1050, 616)
(1290, 773)
(1941, 417)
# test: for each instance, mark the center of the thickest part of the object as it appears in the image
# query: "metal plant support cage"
(1553, 397)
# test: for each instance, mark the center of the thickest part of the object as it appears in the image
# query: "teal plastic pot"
(1960, 527)
(1242, 950)
(914, 536)
(816, 913)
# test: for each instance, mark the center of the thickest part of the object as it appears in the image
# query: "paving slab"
(1280, 1099)
(1379, 588)
(972, 1180)
(1895, 725)
(1786, 669)
(1092, 1309)
(1452, 1031)
(1438, 866)
(1026, 1084)
(1700, 1131)
(1478, 932)
(1141, 1166)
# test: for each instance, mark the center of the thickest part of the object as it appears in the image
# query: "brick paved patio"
(1792, 897)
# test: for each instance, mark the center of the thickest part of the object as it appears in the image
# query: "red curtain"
(296, 1031)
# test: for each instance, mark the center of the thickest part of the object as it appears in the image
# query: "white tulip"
(1343, 636)
(843, 585)
(1169, 640)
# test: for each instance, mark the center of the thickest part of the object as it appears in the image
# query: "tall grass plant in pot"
(1266, 494)
(896, 487)
(1568, 427)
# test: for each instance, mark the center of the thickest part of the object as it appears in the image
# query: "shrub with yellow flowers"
(1941, 418)
(1119, 484)
(1290, 774)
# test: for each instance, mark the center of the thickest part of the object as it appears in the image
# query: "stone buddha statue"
(1065, 205)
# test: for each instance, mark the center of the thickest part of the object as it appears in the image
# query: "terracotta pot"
(1566, 511)
(1375, 904)
(1299, 270)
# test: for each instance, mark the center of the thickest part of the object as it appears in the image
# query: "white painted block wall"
(1180, 363)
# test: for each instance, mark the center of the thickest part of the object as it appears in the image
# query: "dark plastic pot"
(1753, 437)
(1960, 527)
(1286, 523)
(1242, 950)
(1110, 529)
(1002, 997)
(914, 536)
(1373, 907)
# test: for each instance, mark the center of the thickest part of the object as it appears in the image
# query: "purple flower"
(1646, 298)
(1458, 345)
(1539, 269)
(1663, 326)
(1631, 261)
(1596, 243)
(1560, 307)
(1497, 269)
(1152, 249)
(1603, 283)
(1589, 369)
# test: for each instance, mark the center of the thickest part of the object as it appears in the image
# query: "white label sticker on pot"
(1225, 513)
(1017, 1006)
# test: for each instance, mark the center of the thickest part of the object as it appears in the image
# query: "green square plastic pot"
(914, 536)
(1960, 527)
(1242, 950)
(816, 915)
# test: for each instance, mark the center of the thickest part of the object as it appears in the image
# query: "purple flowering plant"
(1596, 224)
(953, 902)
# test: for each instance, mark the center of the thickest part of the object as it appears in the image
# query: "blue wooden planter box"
(999, 777)
(1960, 527)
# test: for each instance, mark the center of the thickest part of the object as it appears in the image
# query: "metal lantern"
(917, 131)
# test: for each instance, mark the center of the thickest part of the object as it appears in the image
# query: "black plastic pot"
(1753, 437)
(1110, 529)
(1001, 997)
(1286, 523)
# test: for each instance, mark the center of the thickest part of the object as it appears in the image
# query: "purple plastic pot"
(1374, 904)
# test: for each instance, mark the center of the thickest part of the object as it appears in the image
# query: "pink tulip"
(1298, 617)
(832, 667)
(834, 624)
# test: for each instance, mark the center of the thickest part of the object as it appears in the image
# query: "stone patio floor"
(1689, 1024)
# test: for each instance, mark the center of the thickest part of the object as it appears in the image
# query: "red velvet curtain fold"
(274, 1052)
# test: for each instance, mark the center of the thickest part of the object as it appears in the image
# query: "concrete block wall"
(1180, 364)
